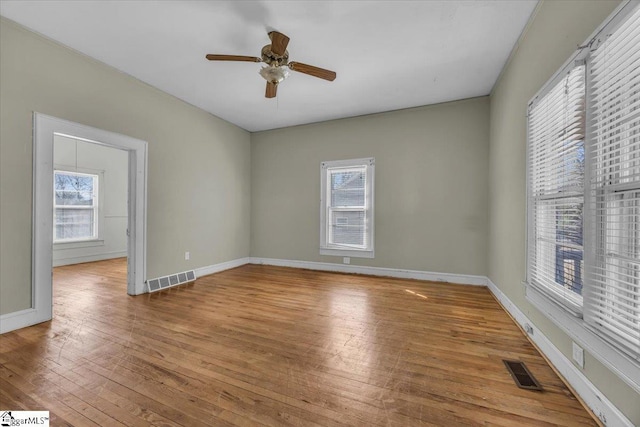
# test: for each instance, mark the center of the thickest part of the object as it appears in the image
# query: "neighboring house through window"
(584, 196)
(556, 189)
(75, 202)
(346, 218)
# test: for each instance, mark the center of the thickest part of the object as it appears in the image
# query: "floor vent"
(171, 280)
(521, 375)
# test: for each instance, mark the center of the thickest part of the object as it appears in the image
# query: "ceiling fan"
(276, 57)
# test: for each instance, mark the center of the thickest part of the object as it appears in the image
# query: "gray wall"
(112, 166)
(552, 37)
(198, 171)
(431, 186)
(450, 181)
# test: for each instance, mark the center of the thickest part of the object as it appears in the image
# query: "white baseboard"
(19, 319)
(597, 402)
(465, 279)
(88, 258)
(216, 268)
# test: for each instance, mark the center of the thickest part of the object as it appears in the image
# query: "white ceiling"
(388, 55)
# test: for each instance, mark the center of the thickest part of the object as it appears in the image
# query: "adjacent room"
(354, 213)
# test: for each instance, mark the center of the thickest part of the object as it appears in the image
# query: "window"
(75, 199)
(556, 189)
(346, 217)
(614, 308)
(584, 186)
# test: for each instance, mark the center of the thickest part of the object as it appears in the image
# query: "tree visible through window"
(75, 202)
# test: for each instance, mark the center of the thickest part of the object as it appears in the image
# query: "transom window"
(75, 202)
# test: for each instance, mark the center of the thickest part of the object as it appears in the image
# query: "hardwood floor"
(262, 345)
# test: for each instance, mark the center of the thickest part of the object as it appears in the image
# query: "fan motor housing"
(273, 59)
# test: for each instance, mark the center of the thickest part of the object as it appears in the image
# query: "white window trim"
(98, 240)
(621, 364)
(325, 247)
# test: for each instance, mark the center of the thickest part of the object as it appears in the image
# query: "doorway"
(89, 201)
(46, 130)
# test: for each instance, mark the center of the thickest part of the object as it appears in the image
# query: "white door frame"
(44, 128)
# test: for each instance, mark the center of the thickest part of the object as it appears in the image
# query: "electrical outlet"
(578, 355)
(528, 328)
(187, 256)
(346, 260)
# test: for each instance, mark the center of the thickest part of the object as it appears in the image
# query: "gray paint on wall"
(198, 172)
(445, 190)
(552, 36)
(430, 186)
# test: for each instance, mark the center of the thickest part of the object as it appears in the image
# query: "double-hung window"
(346, 217)
(583, 155)
(614, 295)
(75, 199)
(556, 189)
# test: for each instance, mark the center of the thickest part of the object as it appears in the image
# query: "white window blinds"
(347, 208)
(556, 126)
(613, 303)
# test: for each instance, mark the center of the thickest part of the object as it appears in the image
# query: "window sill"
(354, 253)
(620, 364)
(78, 244)
(559, 299)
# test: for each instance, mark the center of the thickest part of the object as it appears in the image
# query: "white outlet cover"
(346, 260)
(187, 255)
(578, 355)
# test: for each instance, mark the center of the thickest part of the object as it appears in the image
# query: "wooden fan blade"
(313, 71)
(272, 88)
(279, 42)
(212, 57)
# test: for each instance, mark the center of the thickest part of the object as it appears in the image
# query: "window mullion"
(591, 235)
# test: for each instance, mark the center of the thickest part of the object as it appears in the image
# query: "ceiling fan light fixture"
(274, 74)
(276, 59)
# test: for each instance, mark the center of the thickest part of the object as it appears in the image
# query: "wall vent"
(172, 280)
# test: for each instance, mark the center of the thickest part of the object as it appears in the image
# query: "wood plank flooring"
(261, 345)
